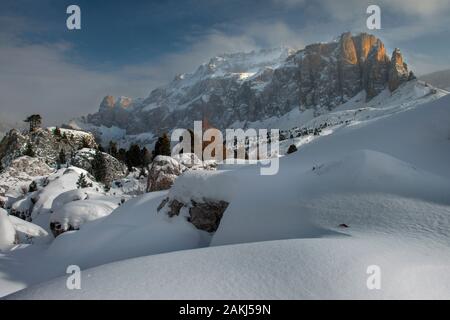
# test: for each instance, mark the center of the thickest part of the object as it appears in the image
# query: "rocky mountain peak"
(245, 87)
(398, 71)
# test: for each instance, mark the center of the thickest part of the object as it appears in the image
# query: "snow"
(29, 232)
(327, 268)
(7, 231)
(374, 191)
(77, 213)
(203, 185)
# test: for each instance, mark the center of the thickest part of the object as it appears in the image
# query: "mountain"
(440, 79)
(238, 88)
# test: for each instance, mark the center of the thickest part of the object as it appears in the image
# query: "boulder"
(163, 172)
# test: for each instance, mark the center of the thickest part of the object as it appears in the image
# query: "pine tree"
(29, 151)
(99, 168)
(32, 187)
(134, 157)
(1, 167)
(62, 157)
(292, 149)
(162, 146)
(82, 182)
(112, 150)
(122, 155)
(35, 121)
(57, 132)
(85, 143)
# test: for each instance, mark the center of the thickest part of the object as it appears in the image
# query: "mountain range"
(240, 88)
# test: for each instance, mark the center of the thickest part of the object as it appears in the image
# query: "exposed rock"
(398, 71)
(58, 229)
(375, 70)
(205, 215)
(115, 169)
(163, 172)
(174, 208)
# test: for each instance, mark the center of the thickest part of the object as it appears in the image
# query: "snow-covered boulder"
(204, 194)
(8, 236)
(83, 159)
(164, 169)
(73, 208)
(163, 172)
(28, 232)
(16, 178)
(73, 214)
(23, 207)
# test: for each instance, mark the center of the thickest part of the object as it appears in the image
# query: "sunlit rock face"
(237, 88)
(398, 71)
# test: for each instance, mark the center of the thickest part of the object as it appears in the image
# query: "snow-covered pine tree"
(29, 151)
(82, 182)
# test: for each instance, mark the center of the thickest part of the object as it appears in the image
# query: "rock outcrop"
(164, 169)
(163, 172)
(16, 178)
(398, 70)
(83, 159)
(44, 143)
(205, 215)
(246, 87)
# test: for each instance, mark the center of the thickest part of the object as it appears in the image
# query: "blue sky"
(130, 47)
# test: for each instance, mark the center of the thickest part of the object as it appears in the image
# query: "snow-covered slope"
(375, 191)
(440, 79)
(327, 268)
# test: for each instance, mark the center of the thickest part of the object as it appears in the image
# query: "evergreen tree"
(35, 121)
(112, 150)
(85, 143)
(134, 157)
(29, 151)
(292, 149)
(162, 146)
(1, 167)
(99, 168)
(62, 157)
(122, 155)
(82, 182)
(57, 132)
(32, 187)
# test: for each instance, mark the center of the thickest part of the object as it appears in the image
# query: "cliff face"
(236, 88)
